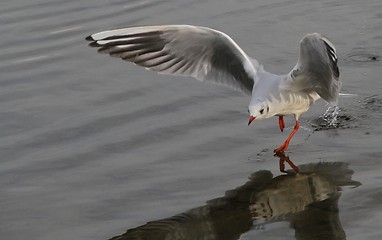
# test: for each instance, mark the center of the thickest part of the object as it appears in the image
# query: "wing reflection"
(307, 200)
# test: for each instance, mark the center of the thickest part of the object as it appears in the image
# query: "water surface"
(91, 146)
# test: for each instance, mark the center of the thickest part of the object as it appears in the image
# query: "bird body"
(210, 55)
(272, 96)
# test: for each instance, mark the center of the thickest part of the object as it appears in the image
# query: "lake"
(92, 146)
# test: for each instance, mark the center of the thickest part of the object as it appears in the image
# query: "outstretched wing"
(200, 52)
(317, 69)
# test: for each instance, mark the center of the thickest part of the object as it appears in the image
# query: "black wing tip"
(333, 59)
(94, 44)
(89, 38)
(93, 41)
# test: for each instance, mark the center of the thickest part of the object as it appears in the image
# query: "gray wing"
(184, 50)
(317, 69)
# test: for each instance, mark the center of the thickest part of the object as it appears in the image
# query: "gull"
(212, 56)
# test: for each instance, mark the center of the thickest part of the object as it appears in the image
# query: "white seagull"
(210, 55)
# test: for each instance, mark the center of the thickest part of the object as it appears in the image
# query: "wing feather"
(200, 52)
(316, 70)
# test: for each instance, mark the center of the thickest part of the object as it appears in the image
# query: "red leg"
(281, 123)
(284, 147)
(283, 159)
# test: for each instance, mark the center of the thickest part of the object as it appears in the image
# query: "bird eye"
(262, 111)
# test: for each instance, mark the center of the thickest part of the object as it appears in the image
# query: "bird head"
(258, 111)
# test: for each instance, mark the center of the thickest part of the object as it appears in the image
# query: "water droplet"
(331, 116)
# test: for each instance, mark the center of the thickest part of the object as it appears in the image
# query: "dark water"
(91, 146)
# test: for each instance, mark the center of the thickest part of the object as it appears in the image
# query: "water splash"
(331, 116)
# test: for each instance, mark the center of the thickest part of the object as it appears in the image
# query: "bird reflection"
(308, 201)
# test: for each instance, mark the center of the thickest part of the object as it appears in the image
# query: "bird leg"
(283, 159)
(284, 147)
(281, 123)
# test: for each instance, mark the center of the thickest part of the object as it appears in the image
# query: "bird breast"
(289, 103)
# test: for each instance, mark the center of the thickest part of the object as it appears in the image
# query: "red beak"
(251, 118)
